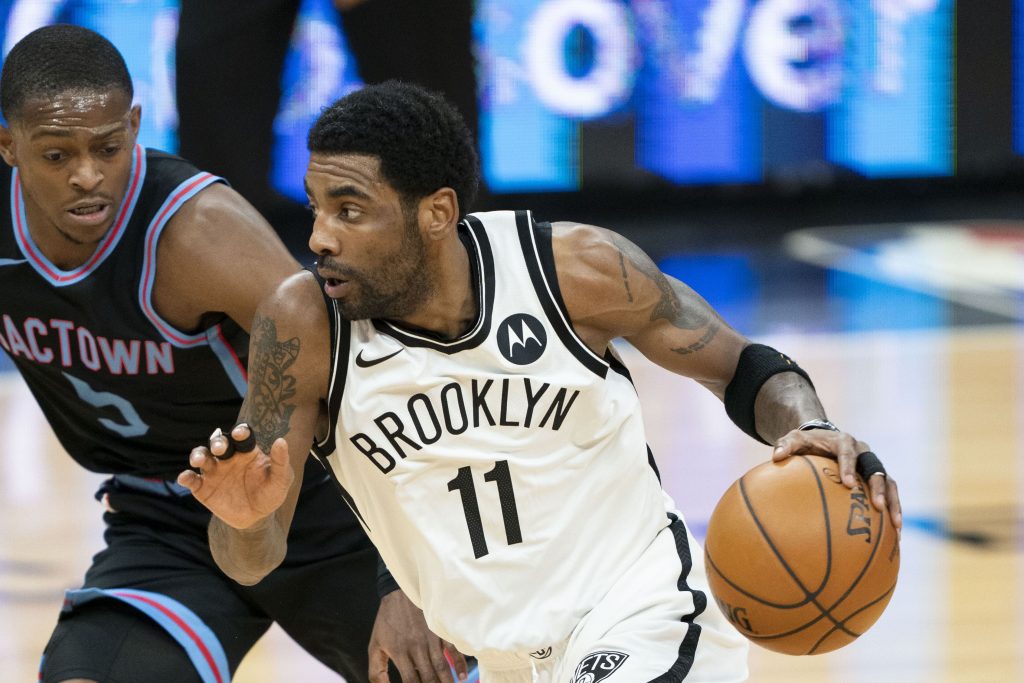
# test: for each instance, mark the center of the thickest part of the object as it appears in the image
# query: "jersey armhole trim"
(540, 263)
(175, 200)
(341, 332)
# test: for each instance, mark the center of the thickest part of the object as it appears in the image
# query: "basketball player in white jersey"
(462, 388)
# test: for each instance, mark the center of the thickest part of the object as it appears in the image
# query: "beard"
(392, 289)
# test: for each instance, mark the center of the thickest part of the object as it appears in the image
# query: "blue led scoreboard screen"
(581, 94)
(714, 91)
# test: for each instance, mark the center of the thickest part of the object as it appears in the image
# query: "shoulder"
(217, 228)
(291, 331)
(588, 256)
(298, 307)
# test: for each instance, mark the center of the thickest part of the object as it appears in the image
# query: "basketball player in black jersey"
(128, 281)
(548, 473)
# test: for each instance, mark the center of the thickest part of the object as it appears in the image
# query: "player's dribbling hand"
(400, 634)
(846, 450)
(237, 481)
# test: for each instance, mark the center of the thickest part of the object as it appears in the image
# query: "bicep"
(686, 335)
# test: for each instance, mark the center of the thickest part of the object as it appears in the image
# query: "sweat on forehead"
(57, 60)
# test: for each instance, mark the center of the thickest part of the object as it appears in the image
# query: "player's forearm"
(247, 556)
(784, 402)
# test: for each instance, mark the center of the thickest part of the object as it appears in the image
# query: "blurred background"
(842, 179)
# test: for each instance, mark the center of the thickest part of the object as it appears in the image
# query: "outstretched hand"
(846, 449)
(242, 488)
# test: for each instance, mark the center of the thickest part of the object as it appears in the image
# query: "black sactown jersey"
(123, 389)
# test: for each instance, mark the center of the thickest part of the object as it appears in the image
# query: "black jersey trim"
(617, 366)
(482, 258)
(688, 646)
(341, 332)
(535, 241)
(118, 228)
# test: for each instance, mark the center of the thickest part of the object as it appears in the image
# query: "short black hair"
(56, 59)
(422, 141)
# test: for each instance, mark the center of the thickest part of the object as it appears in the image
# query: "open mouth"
(87, 210)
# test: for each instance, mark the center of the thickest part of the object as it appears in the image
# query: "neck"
(452, 308)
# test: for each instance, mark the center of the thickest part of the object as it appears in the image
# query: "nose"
(86, 175)
(321, 242)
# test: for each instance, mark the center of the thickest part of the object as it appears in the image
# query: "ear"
(7, 146)
(439, 213)
(134, 120)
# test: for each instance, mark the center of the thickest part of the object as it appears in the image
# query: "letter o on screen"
(607, 83)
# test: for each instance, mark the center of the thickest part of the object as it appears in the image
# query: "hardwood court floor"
(943, 407)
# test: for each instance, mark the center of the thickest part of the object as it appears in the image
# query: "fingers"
(839, 445)
(240, 440)
(877, 487)
(892, 497)
(190, 480)
(378, 665)
(457, 660)
(442, 671)
(244, 438)
(200, 457)
(408, 671)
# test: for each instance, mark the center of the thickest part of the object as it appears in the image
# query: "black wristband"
(869, 465)
(757, 364)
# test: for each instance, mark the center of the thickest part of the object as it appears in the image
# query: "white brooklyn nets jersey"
(504, 475)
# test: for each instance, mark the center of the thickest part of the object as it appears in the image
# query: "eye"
(54, 155)
(350, 213)
(110, 150)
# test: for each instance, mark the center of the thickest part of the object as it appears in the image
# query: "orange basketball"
(799, 563)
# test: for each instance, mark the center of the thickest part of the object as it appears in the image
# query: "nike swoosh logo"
(11, 261)
(364, 363)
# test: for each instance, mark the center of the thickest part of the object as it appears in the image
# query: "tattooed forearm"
(705, 339)
(266, 408)
(677, 304)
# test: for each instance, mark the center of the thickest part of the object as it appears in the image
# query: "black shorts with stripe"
(157, 559)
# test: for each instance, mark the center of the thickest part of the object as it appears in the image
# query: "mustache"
(327, 267)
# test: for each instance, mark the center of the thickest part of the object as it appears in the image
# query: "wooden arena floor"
(942, 404)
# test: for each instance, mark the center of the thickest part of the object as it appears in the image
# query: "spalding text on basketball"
(859, 521)
(737, 615)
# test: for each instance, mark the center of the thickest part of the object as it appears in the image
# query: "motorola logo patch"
(521, 339)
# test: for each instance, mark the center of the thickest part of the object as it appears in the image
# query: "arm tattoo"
(625, 276)
(705, 339)
(266, 408)
(670, 306)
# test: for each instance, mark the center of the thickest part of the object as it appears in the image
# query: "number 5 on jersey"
(500, 475)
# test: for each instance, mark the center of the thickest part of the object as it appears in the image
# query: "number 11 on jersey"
(500, 475)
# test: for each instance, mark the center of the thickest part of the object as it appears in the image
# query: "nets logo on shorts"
(521, 339)
(598, 666)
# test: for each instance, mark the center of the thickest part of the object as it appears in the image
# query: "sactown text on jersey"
(61, 341)
(456, 408)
